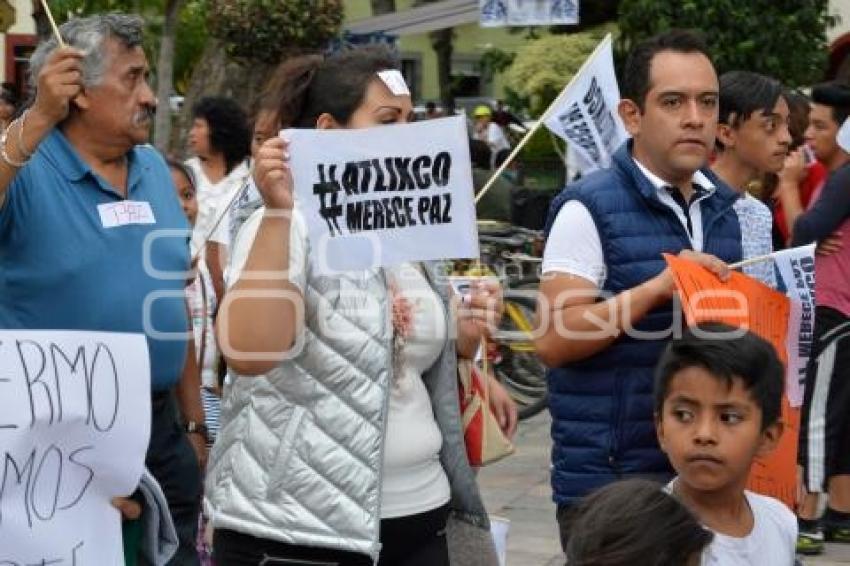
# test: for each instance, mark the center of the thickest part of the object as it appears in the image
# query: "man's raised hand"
(59, 81)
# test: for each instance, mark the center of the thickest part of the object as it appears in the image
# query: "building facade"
(17, 32)
(419, 61)
(839, 42)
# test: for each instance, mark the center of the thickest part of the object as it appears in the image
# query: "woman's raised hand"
(273, 175)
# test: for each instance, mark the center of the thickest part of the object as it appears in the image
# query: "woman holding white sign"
(341, 440)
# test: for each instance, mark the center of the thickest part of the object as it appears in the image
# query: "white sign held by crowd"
(382, 196)
(74, 429)
(498, 13)
(585, 113)
(797, 270)
(842, 138)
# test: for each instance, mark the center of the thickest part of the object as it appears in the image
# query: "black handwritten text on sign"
(55, 386)
(396, 186)
(74, 430)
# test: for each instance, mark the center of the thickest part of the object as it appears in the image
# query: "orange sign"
(747, 303)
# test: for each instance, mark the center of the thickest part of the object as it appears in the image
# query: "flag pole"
(52, 23)
(545, 116)
(752, 260)
(765, 257)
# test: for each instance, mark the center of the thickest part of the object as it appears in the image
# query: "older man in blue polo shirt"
(82, 206)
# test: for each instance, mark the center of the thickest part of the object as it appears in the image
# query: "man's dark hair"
(743, 93)
(799, 107)
(633, 522)
(836, 95)
(230, 132)
(636, 73)
(727, 353)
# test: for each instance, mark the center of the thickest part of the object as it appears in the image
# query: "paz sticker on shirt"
(122, 213)
(395, 82)
(843, 136)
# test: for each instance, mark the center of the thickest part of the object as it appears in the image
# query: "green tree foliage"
(191, 39)
(785, 39)
(264, 30)
(494, 61)
(191, 27)
(544, 66)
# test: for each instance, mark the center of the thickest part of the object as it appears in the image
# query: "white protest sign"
(385, 195)
(496, 13)
(843, 136)
(797, 270)
(585, 113)
(74, 429)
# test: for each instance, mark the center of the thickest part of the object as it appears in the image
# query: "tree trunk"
(218, 75)
(165, 75)
(442, 43)
(42, 25)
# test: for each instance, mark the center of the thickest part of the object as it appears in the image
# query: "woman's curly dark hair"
(230, 132)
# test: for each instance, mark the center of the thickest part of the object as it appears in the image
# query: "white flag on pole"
(843, 136)
(498, 13)
(797, 269)
(586, 112)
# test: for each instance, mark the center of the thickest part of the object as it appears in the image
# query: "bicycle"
(511, 253)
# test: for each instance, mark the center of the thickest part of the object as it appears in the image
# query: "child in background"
(200, 298)
(634, 523)
(202, 304)
(718, 393)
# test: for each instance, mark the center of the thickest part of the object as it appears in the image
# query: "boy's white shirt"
(772, 540)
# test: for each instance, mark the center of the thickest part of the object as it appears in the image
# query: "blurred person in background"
(220, 139)
(814, 174)
(487, 131)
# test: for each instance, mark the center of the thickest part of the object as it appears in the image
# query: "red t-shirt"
(815, 177)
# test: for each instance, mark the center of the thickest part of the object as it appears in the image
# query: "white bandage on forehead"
(395, 82)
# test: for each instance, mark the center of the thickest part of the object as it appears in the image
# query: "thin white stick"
(555, 104)
(52, 23)
(224, 212)
(752, 260)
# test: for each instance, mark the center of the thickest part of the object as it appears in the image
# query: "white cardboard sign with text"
(385, 195)
(74, 430)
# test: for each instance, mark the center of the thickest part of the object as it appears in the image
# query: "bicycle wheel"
(519, 369)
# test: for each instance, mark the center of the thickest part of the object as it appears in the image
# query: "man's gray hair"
(89, 36)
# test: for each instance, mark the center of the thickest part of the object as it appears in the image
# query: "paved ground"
(518, 488)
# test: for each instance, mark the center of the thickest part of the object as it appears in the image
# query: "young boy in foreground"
(718, 394)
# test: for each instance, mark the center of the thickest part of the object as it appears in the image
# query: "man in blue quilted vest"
(605, 304)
